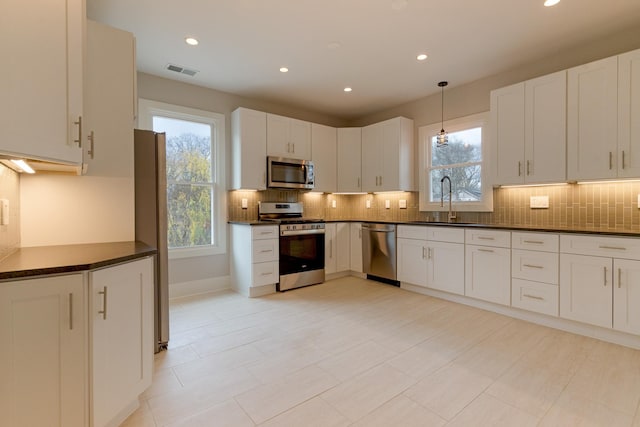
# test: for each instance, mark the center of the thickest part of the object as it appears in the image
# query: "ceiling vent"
(181, 70)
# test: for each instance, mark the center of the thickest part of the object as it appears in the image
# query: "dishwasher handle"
(380, 228)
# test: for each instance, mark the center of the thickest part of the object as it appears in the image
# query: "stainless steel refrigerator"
(151, 219)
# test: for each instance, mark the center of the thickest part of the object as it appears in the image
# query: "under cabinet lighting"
(617, 181)
(553, 184)
(22, 165)
(347, 89)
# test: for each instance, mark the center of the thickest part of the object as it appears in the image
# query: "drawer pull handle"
(535, 242)
(71, 312)
(532, 266)
(485, 250)
(619, 278)
(519, 168)
(104, 306)
(533, 297)
(485, 238)
(423, 254)
(266, 274)
(605, 277)
(617, 248)
(266, 233)
(264, 251)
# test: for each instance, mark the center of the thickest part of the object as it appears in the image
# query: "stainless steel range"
(301, 244)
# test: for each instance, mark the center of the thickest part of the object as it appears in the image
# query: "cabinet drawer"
(265, 273)
(545, 242)
(536, 266)
(501, 239)
(615, 247)
(418, 232)
(534, 296)
(264, 232)
(265, 250)
(445, 234)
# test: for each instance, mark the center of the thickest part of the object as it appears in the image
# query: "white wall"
(61, 210)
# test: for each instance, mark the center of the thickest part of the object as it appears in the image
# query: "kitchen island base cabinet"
(42, 356)
(121, 340)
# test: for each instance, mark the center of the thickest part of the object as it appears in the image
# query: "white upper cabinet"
(528, 123)
(507, 130)
(323, 154)
(592, 120)
(349, 160)
(628, 113)
(109, 101)
(287, 137)
(41, 46)
(388, 150)
(249, 149)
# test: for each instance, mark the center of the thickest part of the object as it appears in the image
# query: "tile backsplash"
(603, 206)
(10, 190)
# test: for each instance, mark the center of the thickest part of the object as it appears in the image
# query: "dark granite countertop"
(40, 260)
(528, 228)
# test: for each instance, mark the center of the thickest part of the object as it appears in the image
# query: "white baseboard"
(566, 325)
(196, 287)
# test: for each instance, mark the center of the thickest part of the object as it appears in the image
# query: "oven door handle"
(301, 232)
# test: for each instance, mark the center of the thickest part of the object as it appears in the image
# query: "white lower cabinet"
(445, 266)
(487, 274)
(412, 261)
(121, 321)
(77, 349)
(626, 295)
(336, 247)
(487, 265)
(425, 261)
(43, 352)
(255, 256)
(600, 281)
(586, 293)
(355, 247)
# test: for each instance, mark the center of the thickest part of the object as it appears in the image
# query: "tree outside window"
(190, 183)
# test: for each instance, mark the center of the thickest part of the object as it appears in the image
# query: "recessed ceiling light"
(191, 41)
(549, 3)
(284, 70)
(421, 57)
(347, 89)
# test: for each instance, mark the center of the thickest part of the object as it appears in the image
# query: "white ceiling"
(243, 43)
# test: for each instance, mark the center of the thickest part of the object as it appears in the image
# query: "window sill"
(179, 253)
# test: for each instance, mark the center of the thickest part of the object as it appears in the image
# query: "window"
(195, 191)
(462, 161)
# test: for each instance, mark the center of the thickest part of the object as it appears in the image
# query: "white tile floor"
(352, 352)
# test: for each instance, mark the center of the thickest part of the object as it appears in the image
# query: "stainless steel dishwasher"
(379, 252)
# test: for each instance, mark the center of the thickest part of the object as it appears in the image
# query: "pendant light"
(442, 140)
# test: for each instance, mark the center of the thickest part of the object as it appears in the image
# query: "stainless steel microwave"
(289, 173)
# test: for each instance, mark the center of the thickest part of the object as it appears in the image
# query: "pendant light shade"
(442, 140)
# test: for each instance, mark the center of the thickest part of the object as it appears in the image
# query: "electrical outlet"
(402, 204)
(387, 204)
(4, 219)
(539, 202)
(367, 204)
(245, 203)
(638, 201)
(334, 203)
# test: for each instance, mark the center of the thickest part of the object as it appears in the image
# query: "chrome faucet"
(452, 215)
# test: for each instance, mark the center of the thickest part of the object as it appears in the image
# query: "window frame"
(425, 133)
(147, 110)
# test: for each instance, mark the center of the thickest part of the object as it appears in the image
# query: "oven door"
(301, 260)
